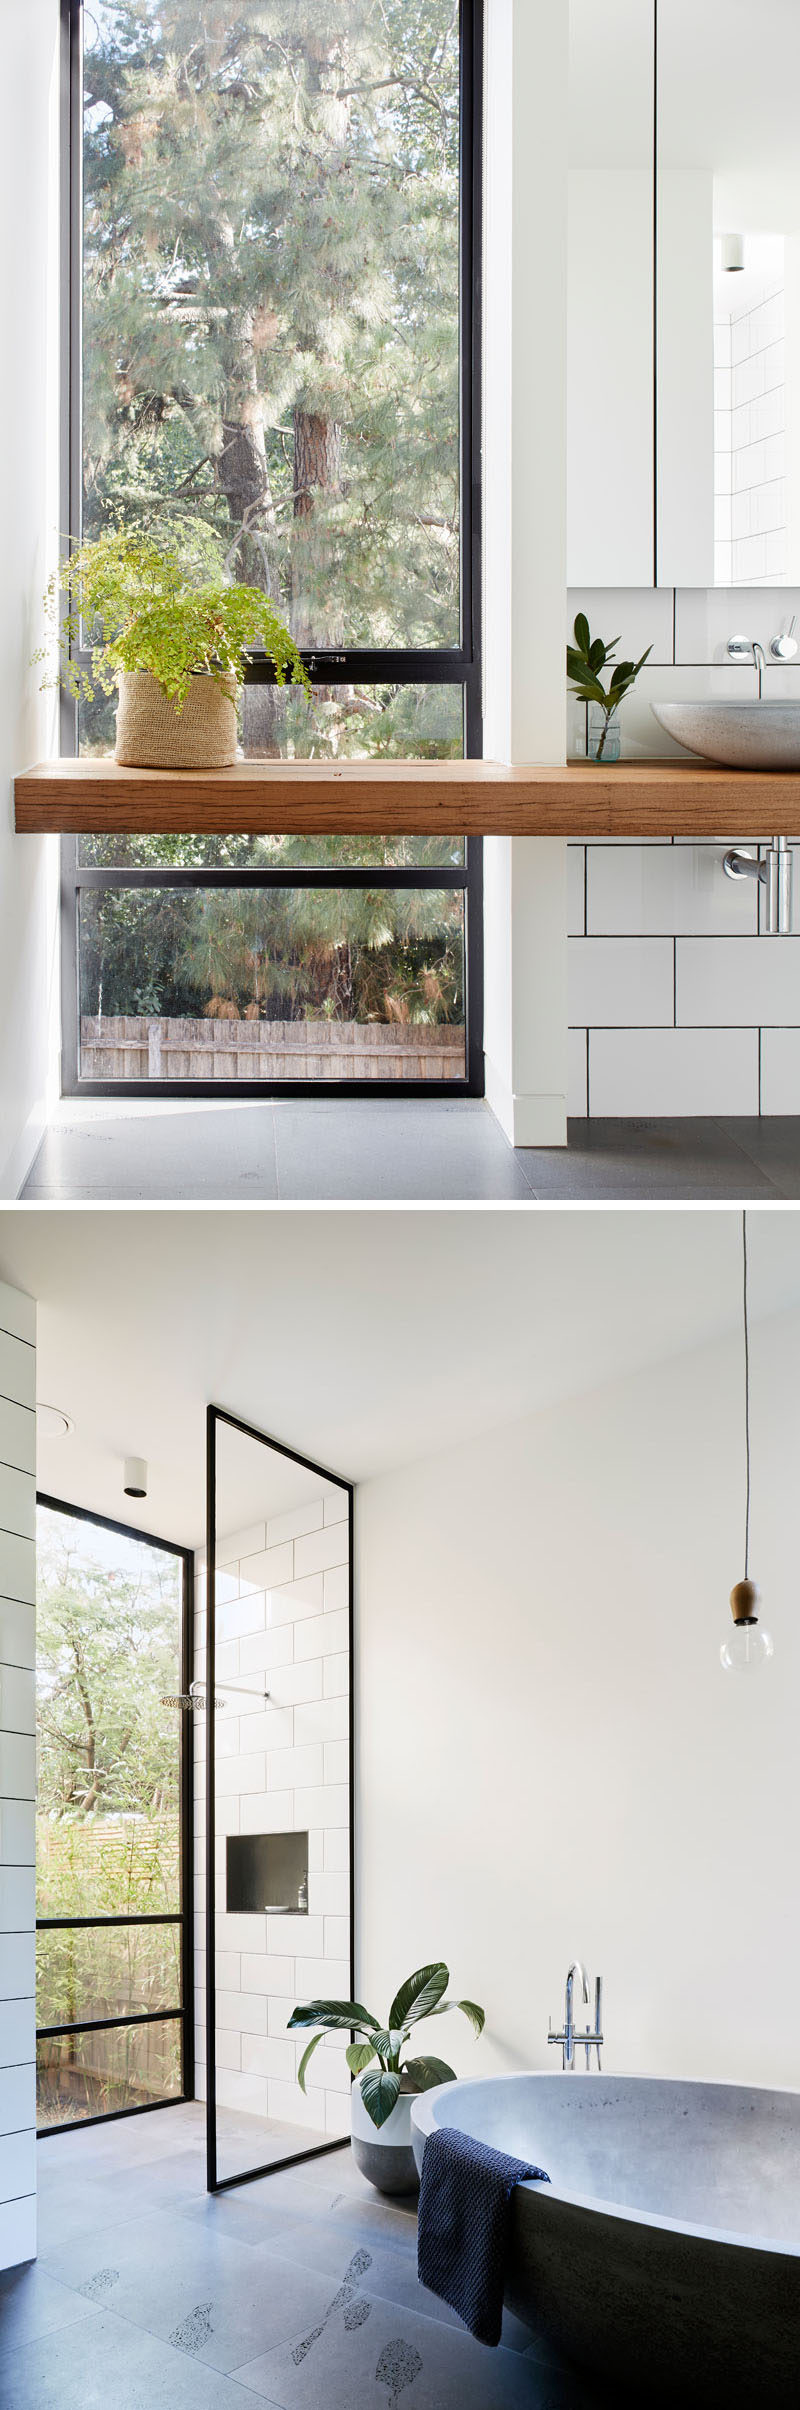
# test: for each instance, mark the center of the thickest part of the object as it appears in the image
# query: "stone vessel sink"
(751, 735)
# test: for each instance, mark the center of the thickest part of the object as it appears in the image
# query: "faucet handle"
(784, 646)
(740, 648)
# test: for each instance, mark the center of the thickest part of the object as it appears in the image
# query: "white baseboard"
(525, 1120)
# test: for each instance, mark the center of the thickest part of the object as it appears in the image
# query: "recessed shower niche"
(274, 1767)
(266, 1874)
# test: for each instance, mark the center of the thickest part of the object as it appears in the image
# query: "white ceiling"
(363, 1339)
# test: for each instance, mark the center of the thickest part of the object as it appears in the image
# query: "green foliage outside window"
(271, 375)
(108, 1835)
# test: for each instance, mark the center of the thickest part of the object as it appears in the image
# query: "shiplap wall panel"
(17, 1777)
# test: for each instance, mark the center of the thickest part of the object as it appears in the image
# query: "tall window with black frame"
(273, 244)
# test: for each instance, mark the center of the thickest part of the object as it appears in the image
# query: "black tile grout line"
(6, 1334)
(5, 1400)
(708, 1028)
(683, 937)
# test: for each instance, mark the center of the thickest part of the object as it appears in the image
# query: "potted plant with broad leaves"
(164, 627)
(386, 2079)
(586, 660)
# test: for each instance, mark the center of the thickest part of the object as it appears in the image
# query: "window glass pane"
(271, 240)
(270, 984)
(334, 723)
(91, 2074)
(267, 853)
(106, 1971)
(108, 1650)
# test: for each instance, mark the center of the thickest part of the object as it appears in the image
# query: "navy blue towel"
(464, 2215)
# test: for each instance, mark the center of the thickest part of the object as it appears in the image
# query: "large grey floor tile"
(407, 1151)
(192, 2286)
(106, 2364)
(228, 1152)
(389, 2269)
(82, 2202)
(33, 2304)
(774, 1146)
(389, 2356)
(646, 1159)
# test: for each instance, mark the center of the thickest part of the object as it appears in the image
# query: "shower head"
(193, 1700)
(184, 1700)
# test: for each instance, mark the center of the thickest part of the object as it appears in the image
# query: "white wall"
(17, 1777)
(552, 1762)
(28, 453)
(524, 287)
(677, 1004)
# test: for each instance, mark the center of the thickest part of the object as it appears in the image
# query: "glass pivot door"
(274, 1764)
(114, 1951)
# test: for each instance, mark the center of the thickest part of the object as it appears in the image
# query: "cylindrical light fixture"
(135, 1481)
(748, 1646)
(732, 250)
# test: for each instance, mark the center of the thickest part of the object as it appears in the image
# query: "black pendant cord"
(746, 1401)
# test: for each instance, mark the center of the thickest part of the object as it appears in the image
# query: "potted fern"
(386, 2078)
(587, 658)
(172, 636)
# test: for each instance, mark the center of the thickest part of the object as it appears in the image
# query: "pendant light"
(748, 1646)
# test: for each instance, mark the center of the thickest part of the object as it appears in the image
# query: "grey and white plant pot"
(384, 2153)
(153, 735)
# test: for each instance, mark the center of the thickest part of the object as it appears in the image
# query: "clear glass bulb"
(747, 1648)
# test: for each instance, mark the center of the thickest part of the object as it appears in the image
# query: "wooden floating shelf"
(266, 798)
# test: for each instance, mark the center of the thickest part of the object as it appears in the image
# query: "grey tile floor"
(299, 2290)
(318, 1148)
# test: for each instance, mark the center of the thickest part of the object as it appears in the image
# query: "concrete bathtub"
(664, 2255)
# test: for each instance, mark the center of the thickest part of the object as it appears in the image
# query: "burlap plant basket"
(152, 735)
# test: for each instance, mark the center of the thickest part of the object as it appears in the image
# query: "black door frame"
(185, 1915)
(233, 1422)
(461, 665)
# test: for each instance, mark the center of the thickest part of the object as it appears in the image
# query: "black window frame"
(461, 665)
(184, 1915)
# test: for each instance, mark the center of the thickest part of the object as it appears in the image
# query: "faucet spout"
(760, 662)
(569, 2019)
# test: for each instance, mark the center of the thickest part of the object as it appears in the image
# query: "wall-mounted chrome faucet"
(774, 870)
(747, 648)
(589, 2037)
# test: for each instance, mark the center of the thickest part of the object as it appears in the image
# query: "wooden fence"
(133, 1046)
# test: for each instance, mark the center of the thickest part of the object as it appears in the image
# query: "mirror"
(728, 293)
(684, 386)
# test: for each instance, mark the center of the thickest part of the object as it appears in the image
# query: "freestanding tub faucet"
(589, 2038)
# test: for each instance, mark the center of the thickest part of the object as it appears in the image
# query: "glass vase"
(603, 740)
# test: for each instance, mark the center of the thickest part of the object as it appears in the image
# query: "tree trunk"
(243, 479)
(317, 459)
(317, 471)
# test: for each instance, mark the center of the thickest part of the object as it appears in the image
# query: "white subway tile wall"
(17, 1778)
(282, 1615)
(677, 1005)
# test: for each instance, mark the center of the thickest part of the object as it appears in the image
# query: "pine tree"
(271, 347)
